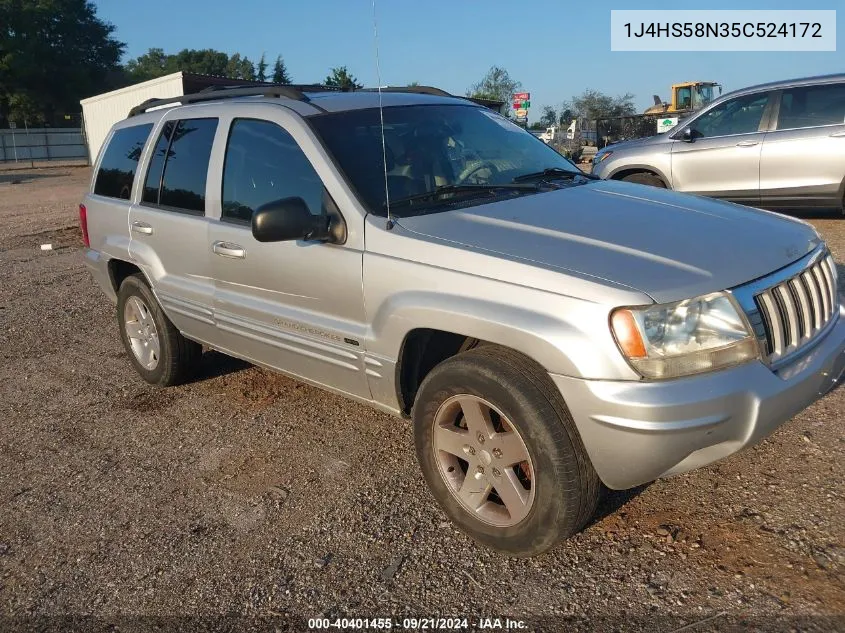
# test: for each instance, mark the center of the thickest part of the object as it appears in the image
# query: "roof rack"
(422, 90)
(216, 93)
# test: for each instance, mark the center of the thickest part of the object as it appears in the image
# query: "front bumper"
(635, 432)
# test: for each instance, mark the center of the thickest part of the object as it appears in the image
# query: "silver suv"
(546, 331)
(779, 146)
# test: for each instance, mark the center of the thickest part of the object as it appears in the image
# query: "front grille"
(797, 309)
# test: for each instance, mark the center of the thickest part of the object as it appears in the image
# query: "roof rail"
(422, 90)
(296, 92)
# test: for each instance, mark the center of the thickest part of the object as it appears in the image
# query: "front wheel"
(643, 178)
(500, 452)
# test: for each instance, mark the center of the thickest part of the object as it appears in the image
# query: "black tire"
(178, 355)
(644, 178)
(566, 487)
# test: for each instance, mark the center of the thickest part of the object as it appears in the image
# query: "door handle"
(840, 134)
(227, 249)
(748, 143)
(142, 227)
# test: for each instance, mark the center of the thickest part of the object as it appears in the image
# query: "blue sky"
(556, 50)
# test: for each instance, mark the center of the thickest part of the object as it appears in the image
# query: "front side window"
(264, 164)
(741, 115)
(431, 147)
(178, 169)
(812, 106)
(684, 98)
(120, 162)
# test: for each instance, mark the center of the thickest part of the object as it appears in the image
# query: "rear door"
(803, 159)
(169, 229)
(108, 204)
(723, 158)
(295, 306)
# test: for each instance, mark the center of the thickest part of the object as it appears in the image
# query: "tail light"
(83, 224)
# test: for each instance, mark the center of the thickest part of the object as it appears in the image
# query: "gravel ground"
(245, 500)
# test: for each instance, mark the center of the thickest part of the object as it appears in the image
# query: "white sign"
(12, 125)
(664, 124)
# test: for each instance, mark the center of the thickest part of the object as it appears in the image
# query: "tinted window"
(737, 116)
(186, 166)
(120, 161)
(263, 164)
(812, 106)
(154, 171)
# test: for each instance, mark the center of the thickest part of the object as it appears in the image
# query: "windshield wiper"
(444, 190)
(554, 173)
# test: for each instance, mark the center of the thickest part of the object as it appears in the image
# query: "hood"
(637, 142)
(668, 245)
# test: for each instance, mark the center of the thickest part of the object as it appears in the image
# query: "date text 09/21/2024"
(416, 624)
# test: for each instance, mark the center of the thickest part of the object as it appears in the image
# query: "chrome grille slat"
(823, 289)
(804, 306)
(775, 325)
(826, 266)
(815, 300)
(791, 315)
(797, 306)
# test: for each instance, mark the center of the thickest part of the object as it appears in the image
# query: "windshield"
(704, 95)
(429, 147)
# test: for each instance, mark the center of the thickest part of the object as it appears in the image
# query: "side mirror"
(288, 219)
(689, 135)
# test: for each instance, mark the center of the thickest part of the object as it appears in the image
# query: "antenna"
(389, 224)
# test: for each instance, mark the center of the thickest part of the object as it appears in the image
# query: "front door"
(722, 157)
(294, 306)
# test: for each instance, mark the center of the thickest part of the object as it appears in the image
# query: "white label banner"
(723, 30)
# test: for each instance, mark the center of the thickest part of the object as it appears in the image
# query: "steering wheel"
(472, 172)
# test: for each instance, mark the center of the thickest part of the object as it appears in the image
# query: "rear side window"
(812, 106)
(120, 162)
(178, 168)
(263, 164)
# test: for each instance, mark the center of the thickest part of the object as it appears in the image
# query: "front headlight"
(684, 338)
(600, 157)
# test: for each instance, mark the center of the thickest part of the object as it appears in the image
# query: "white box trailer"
(99, 113)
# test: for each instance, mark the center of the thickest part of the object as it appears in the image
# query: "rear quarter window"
(120, 162)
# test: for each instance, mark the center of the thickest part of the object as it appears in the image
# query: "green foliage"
(261, 73)
(497, 84)
(341, 77)
(593, 104)
(240, 68)
(280, 72)
(52, 54)
(156, 63)
(549, 117)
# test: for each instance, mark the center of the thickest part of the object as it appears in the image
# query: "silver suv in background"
(545, 330)
(778, 145)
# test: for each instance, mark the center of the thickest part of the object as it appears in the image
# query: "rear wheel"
(157, 350)
(645, 178)
(500, 451)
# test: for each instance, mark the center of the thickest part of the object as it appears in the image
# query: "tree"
(496, 85)
(156, 63)
(280, 72)
(52, 54)
(413, 84)
(240, 68)
(549, 116)
(593, 104)
(261, 75)
(341, 78)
